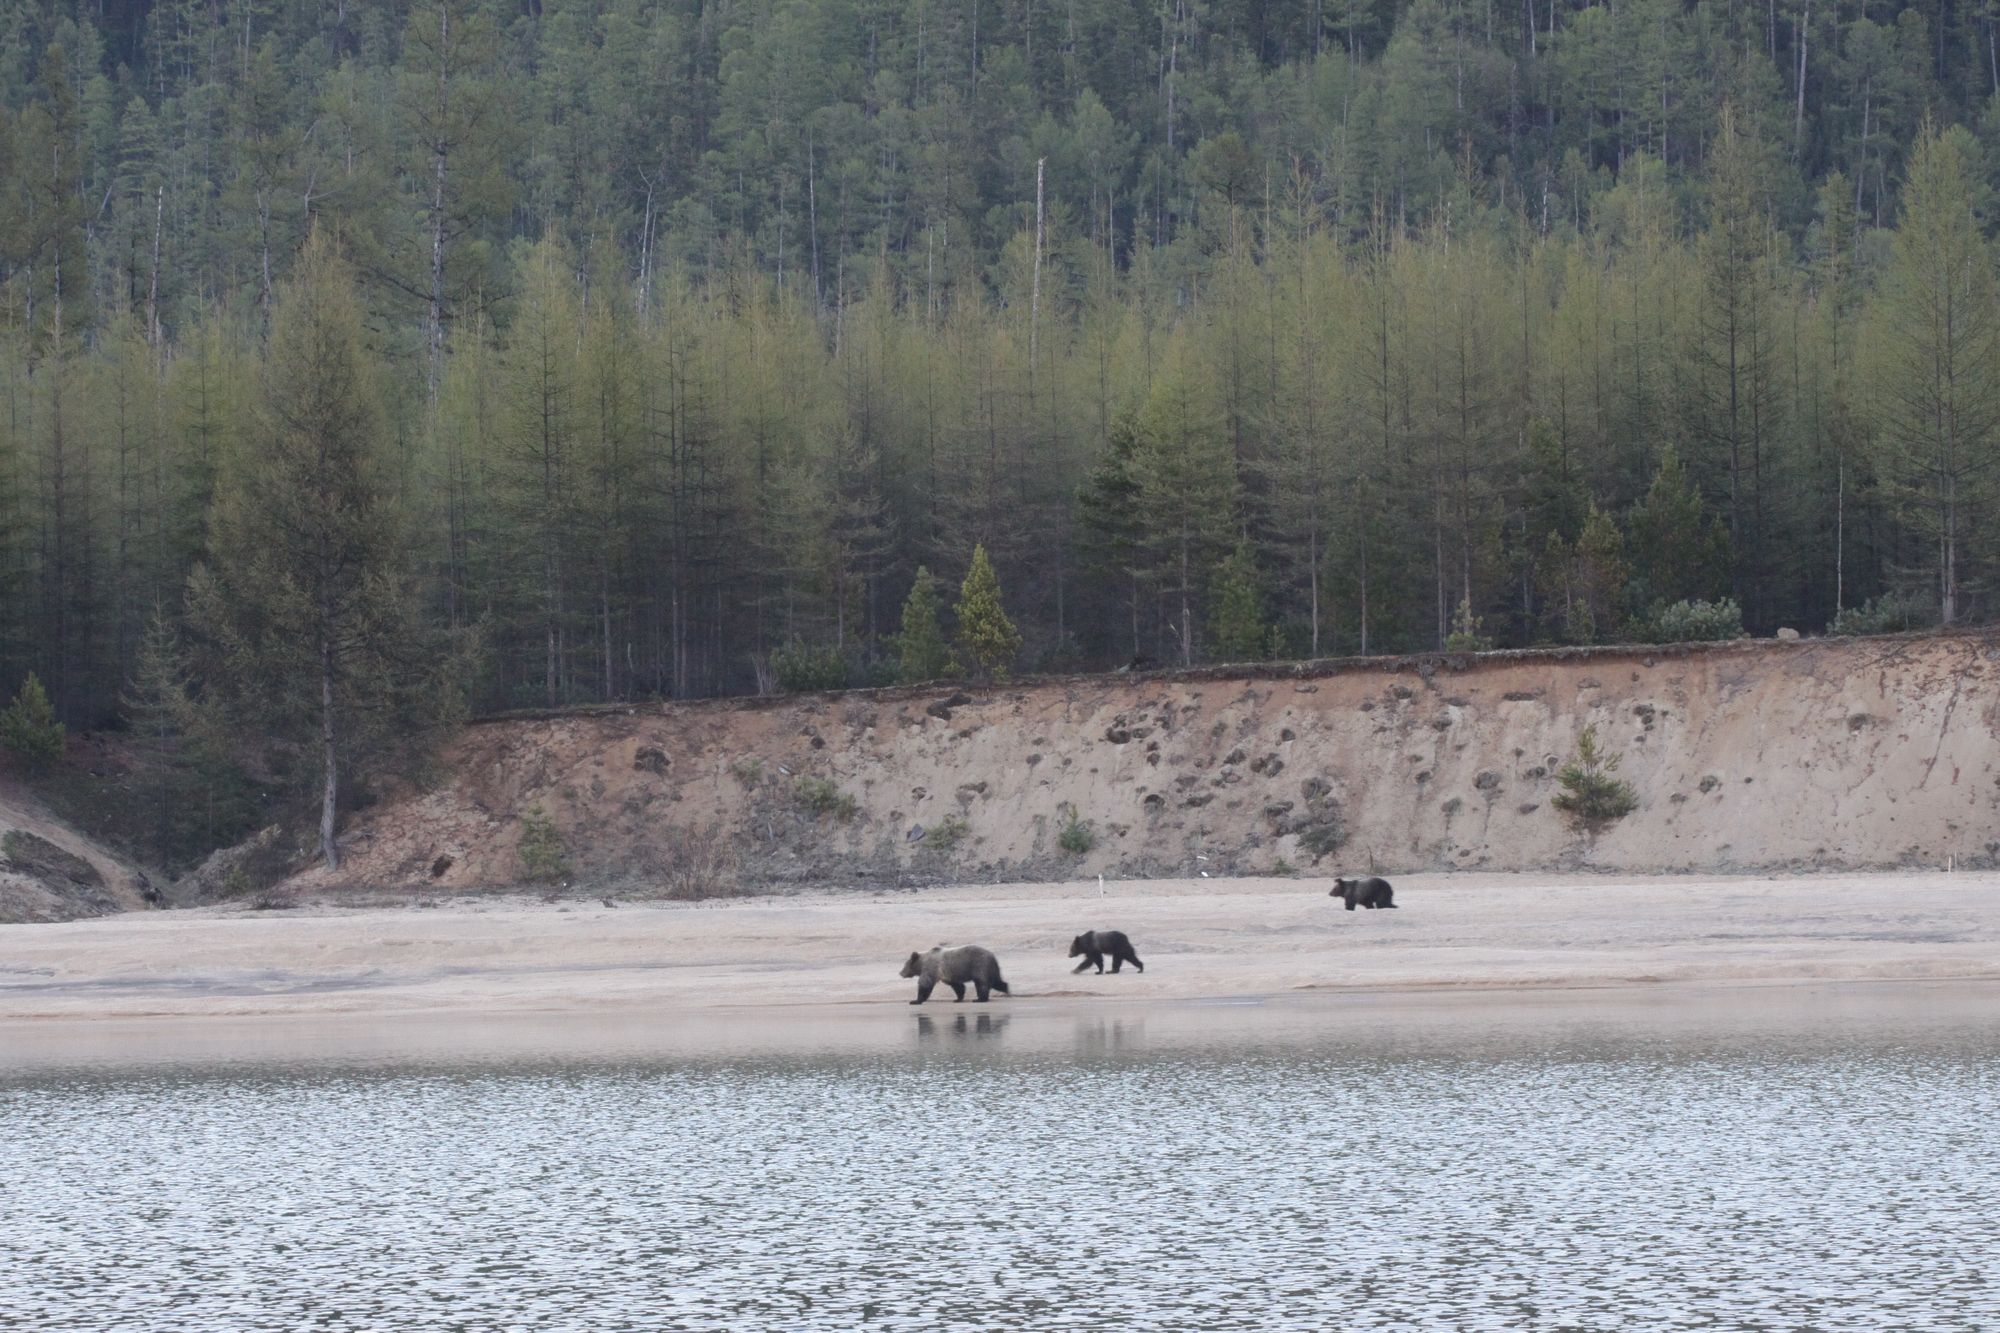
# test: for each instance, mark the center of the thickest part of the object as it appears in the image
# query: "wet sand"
(1201, 939)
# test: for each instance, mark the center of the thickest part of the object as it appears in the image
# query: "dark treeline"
(678, 332)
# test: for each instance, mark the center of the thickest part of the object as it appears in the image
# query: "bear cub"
(1371, 892)
(957, 968)
(1093, 945)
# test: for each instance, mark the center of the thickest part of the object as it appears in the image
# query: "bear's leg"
(1117, 961)
(1083, 966)
(924, 986)
(983, 989)
(1135, 961)
(957, 990)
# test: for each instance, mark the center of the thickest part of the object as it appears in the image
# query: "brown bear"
(955, 968)
(1370, 892)
(1092, 945)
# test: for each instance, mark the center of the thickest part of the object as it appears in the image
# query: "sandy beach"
(1199, 938)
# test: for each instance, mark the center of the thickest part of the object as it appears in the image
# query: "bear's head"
(1079, 946)
(1339, 889)
(915, 967)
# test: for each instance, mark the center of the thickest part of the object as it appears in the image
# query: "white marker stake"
(1100, 886)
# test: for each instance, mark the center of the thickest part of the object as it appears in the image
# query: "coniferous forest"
(366, 363)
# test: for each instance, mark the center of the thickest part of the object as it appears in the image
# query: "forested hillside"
(362, 363)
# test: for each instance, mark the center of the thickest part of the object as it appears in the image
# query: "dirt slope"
(50, 872)
(1753, 755)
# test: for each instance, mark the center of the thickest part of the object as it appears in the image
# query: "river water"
(1798, 1159)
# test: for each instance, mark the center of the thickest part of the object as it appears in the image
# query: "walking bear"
(1093, 945)
(1370, 892)
(956, 968)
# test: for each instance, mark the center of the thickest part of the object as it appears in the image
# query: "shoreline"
(1202, 940)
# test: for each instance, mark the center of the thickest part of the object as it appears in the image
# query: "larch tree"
(305, 609)
(1937, 361)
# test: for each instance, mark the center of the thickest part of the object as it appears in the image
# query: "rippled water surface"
(1476, 1165)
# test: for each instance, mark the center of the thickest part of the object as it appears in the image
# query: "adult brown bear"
(1370, 892)
(956, 968)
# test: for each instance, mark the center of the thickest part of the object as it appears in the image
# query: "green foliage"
(1891, 613)
(823, 796)
(984, 631)
(749, 771)
(921, 644)
(629, 399)
(947, 833)
(1592, 794)
(1077, 836)
(1677, 553)
(1695, 622)
(544, 856)
(192, 796)
(1465, 636)
(1322, 838)
(1237, 631)
(29, 729)
(802, 668)
(1583, 582)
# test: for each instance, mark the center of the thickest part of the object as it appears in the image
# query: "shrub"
(748, 771)
(1590, 794)
(947, 833)
(1322, 838)
(1078, 836)
(29, 728)
(1695, 622)
(544, 859)
(822, 796)
(1891, 613)
(700, 863)
(801, 668)
(1465, 636)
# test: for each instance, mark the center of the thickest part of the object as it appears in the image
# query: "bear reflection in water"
(986, 1025)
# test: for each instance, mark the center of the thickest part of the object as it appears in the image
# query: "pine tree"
(921, 646)
(984, 631)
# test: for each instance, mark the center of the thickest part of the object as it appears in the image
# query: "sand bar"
(1200, 939)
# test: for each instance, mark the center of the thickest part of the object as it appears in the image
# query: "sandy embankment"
(1200, 938)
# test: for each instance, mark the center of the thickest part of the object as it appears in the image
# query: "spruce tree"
(29, 730)
(921, 646)
(1237, 622)
(987, 635)
(1677, 553)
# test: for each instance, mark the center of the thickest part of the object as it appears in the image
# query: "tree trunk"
(329, 741)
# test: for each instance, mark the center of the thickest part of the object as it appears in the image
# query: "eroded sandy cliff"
(1823, 753)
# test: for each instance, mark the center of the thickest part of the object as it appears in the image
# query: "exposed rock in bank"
(1743, 755)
